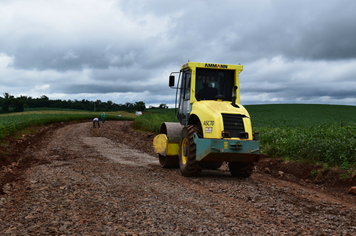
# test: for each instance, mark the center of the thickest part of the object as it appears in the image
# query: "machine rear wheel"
(241, 170)
(187, 152)
(168, 162)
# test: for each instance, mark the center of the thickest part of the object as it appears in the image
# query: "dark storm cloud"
(317, 93)
(118, 88)
(252, 30)
(41, 57)
(310, 30)
(291, 50)
(330, 90)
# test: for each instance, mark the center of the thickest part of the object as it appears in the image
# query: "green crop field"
(13, 122)
(152, 119)
(309, 133)
(323, 134)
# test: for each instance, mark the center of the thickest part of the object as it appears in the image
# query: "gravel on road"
(82, 180)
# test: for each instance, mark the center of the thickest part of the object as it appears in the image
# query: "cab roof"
(194, 65)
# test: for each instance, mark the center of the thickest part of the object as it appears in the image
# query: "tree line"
(9, 103)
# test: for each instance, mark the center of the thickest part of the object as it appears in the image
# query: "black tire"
(211, 165)
(168, 162)
(187, 152)
(241, 170)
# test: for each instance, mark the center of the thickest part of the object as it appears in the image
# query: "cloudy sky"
(124, 50)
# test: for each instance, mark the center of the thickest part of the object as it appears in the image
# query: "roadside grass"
(305, 133)
(124, 114)
(161, 110)
(333, 144)
(151, 121)
(300, 115)
(51, 109)
(11, 123)
(70, 111)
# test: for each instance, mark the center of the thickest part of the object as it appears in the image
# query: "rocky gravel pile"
(88, 181)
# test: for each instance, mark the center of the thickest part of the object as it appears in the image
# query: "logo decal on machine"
(208, 123)
(216, 66)
(208, 129)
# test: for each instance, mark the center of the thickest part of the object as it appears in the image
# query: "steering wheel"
(219, 96)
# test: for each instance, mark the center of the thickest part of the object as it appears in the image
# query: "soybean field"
(308, 133)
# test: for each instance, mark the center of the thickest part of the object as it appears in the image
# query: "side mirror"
(234, 91)
(234, 95)
(171, 81)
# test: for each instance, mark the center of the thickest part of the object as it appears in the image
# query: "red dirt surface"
(76, 179)
(12, 152)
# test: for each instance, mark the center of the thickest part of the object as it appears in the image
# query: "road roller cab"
(213, 126)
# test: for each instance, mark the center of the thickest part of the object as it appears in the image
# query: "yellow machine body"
(209, 100)
(209, 113)
(162, 146)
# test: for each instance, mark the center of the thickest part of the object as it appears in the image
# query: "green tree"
(5, 105)
(140, 106)
(6, 102)
(18, 105)
(163, 105)
(7, 96)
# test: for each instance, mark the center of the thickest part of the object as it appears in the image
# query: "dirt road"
(107, 181)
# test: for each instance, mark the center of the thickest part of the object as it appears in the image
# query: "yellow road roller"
(213, 126)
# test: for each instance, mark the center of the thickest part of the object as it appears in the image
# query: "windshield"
(213, 82)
